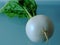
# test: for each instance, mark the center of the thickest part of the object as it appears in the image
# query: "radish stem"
(30, 16)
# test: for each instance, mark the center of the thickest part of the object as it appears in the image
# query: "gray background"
(12, 30)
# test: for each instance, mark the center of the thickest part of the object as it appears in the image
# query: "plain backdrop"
(12, 30)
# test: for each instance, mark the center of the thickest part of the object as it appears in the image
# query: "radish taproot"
(39, 28)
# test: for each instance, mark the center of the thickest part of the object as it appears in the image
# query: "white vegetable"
(39, 28)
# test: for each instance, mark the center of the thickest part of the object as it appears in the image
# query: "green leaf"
(31, 6)
(16, 8)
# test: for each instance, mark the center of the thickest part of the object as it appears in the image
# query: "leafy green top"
(20, 8)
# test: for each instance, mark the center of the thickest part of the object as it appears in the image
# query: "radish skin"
(39, 28)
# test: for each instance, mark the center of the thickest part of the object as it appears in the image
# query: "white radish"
(39, 28)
